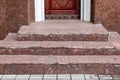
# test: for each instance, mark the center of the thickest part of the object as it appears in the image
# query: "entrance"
(62, 9)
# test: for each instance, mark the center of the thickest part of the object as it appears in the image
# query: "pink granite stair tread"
(63, 30)
(11, 37)
(65, 27)
(27, 59)
(116, 44)
(89, 59)
(114, 38)
(56, 44)
(33, 59)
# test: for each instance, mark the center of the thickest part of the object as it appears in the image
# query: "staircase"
(61, 47)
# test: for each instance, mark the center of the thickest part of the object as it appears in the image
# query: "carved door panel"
(65, 9)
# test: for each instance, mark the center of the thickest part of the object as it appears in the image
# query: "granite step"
(34, 64)
(114, 38)
(10, 45)
(11, 37)
(63, 30)
(57, 48)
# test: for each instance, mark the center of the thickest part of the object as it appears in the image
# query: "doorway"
(62, 9)
(84, 10)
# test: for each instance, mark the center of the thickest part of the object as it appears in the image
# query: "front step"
(11, 37)
(62, 30)
(31, 64)
(57, 48)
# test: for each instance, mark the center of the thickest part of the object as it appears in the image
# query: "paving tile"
(116, 77)
(36, 77)
(91, 77)
(105, 77)
(8, 77)
(1, 77)
(22, 77)
(78, 77)
(50, 77)
(64, 77)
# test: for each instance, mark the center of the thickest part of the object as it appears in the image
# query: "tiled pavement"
(60, 77)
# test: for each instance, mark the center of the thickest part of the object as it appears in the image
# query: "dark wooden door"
(66, 9)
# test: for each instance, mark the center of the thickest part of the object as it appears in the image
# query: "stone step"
(58, 48)
(114, 38)
(34, 64)
(63, 30)
(11, 37)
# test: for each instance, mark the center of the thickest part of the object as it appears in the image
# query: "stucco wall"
(107, 12)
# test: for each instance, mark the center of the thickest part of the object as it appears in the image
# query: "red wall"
(14, 14)
(107, 12)
(3, 29)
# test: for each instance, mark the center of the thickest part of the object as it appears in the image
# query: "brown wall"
(107, 12)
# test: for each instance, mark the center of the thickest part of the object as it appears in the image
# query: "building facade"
(15, 13)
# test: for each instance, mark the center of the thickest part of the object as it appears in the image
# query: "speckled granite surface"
(107, 12)
(63, 30)
(59, 64)
(61, 57)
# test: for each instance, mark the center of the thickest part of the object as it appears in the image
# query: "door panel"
(62, 8)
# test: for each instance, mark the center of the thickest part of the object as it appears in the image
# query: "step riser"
(73, 37)
(58, 51)
(59, 69)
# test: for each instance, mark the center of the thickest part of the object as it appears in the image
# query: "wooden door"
(62, 9)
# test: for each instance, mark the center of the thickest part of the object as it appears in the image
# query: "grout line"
(70, 76)
(98, 77)
(112, 77)
(84, 76)
(43, 77)
(2, 77)
(29, 77)
(56, 76)
(15, 77)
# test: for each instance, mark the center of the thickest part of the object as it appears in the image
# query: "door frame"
(40, 10)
